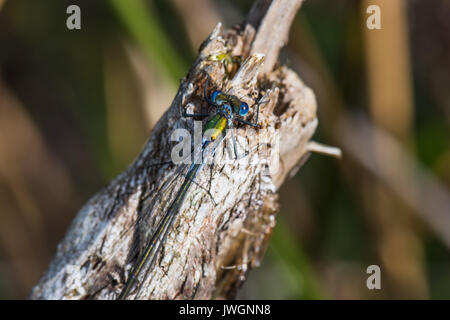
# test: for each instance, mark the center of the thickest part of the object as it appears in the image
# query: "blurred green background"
(77, 106)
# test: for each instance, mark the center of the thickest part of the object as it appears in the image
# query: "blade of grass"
(145, 29)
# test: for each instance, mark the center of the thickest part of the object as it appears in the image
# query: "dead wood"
(211, 247)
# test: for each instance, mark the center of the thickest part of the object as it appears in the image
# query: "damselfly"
(229, 109)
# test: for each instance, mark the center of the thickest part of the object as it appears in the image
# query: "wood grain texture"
(211, 247)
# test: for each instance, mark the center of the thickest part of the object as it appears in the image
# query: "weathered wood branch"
(206, 240)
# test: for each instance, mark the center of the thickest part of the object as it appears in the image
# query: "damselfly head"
(229, 103)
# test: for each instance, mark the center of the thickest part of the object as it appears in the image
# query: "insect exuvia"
(230, 62)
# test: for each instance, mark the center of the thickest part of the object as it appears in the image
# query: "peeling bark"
(210, 248)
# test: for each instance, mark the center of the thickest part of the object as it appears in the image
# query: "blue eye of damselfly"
(214, 95)
(244, 109)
